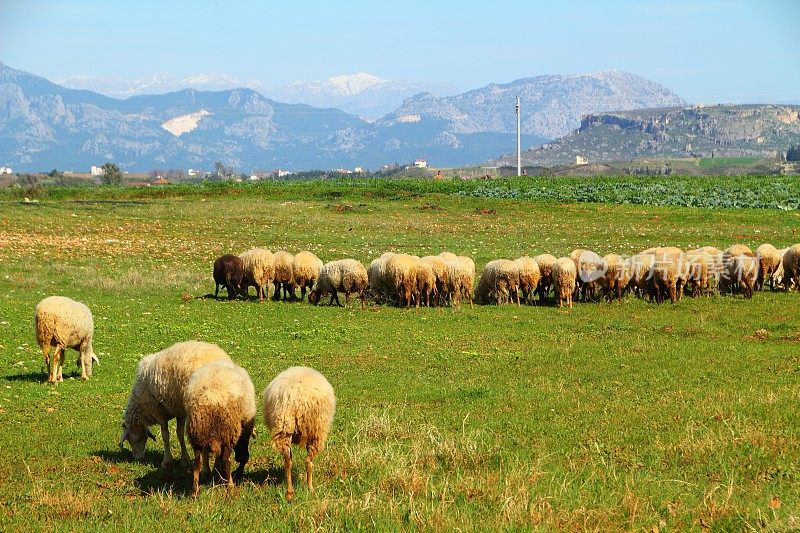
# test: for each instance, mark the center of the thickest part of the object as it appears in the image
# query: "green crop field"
(727, 161)
(609, 416)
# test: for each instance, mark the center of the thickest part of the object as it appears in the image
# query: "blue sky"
(706, 51)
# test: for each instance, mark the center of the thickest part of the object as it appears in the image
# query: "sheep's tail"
(43, 334)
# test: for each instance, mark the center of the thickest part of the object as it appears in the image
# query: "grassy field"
(606, 417)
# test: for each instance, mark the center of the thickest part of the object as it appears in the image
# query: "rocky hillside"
(552, 106)
(702, 131)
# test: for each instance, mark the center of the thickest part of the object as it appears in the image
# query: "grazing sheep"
(298, 409)
(228, 272)
(777, 276)
(448, 256)
(220, 404)
(498, 282)
(740, 273)
(641, 269)
(589, 266)
(440, 270)
(259, 269)
(379, 284)
(616, 278)
(738, 249)
(768, 261)
(63, 323)
(791, 267)
(157, 394)
(305, 271)
(545, 263)
(345, 275)
(715, 268)
(697, 265)
(425, 282)
(460, 277)
(283, 276)
(666, 273)
(401, 271)
(564, 274)
(529, 275)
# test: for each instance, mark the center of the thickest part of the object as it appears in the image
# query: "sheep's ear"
(123, 437)
(95, 359)
(150, 434)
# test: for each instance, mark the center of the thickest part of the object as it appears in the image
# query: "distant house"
(96, 171)
(581, 160)
(421, 163)
(5, 170)
(279, 173)
(358, 170)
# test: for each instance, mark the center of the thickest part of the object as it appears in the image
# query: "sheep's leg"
(347, 297)
(336, 297)
(198, 458)
(312, 451)
(302, 292)
(287, 466)
(206, 464)
(167, 461)
(216, 291)
(53, 376)
(231, 291)
(63, 355)
(181, 432)
(225, 457)
(46, 347)
(241, 452)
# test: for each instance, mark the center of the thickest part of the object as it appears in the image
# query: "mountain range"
(44, 125)
(731, 131)
(364, 95)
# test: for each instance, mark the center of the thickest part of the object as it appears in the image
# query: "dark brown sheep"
(228, 272)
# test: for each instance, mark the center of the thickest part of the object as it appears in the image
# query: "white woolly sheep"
(440, 270)
(401, 272)
(305, 271)
(768, 261)
(460, 276)
(63, 323)
(378, 280)
(157, 394)
(589, 267)
(345, 275)
(298, 409)
(425, 282)
(564, 274)
(740, 272)
(220, 404)
(698, 266)
(498, 282)
(666, 273)
(791, 267)
(545, 263)
(283, 275)
(259, 270)
(777, 276)
(529, 276)
(616, 278)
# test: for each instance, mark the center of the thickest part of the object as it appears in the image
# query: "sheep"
(283, 276)
(298, 409)
(791, 267)
(345, 275)
(589, 267)
(425, 282)
(616, 277)
(715, 268)
(259, 269)
(641, 269)
(564, 274)
(498, 282)
(378, 280)
(666, 274)
(401, 273)
(220, 404)
(768, 261)
(448, 256)
(698, 265)
(777, 276)
(440, 270)
(545, 263)
(228, 272)
(461, 278)
(63, 323)
(529, 275)
(157, 394)
(305, 271)
(740, 272)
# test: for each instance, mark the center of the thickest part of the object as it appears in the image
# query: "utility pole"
(519, 150)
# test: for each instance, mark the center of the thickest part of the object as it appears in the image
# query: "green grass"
(708, 162)
(606, 417)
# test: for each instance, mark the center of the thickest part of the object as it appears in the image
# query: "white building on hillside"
(5, 170)
(421, 163)
(96, 171)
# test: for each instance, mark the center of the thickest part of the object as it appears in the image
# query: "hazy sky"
(706, 51)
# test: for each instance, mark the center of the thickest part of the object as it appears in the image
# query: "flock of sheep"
(212, 398)
(655, 274)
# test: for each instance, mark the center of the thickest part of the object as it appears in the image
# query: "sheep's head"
(136, 435)
(313, 297)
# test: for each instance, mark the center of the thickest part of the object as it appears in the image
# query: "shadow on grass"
(272, 477)
(115, 455)
(40, 376)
